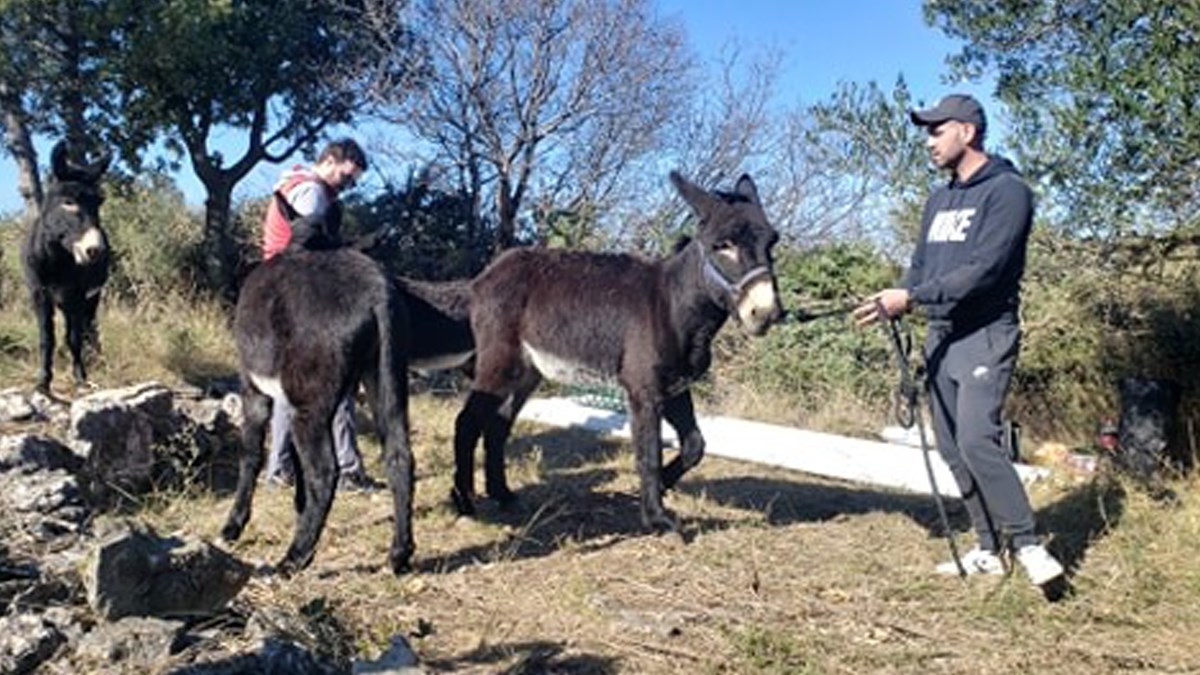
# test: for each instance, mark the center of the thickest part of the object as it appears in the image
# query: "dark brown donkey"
(647, 324)
(309, 326)
(65, 257)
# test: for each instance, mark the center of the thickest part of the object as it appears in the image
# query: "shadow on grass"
(1081, 517)
(569, 505)
(531, 657)
(785, 502)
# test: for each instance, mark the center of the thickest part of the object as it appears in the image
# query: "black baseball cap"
(957, 107)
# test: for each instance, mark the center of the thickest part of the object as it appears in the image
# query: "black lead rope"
(907, 412)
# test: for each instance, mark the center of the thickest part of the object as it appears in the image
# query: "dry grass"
(780, 573)
(173, 339)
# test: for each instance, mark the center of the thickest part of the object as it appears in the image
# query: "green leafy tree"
(863, 134)
(1103, 96)
(53, 80)
(277, 73)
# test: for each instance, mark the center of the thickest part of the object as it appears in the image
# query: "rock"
(117, 431)
(131, 641)
(26, 641)
(232, 405)
(399, 659)
(15, 406)
(38, 489)
(134, 572)
(26, 453)
(269, 656)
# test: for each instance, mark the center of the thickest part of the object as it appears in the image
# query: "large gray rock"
(27, 453)
(19, 406)
(134, 572)
(27, 641)
(15, 406)
(271, 656)
(118, 431)
(39, 491)
(132, 641)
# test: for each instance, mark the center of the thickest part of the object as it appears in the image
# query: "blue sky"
(822, 42)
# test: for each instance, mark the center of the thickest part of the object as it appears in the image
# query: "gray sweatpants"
(969, 374)
(280, 458)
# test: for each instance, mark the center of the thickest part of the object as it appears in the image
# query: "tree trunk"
(506, 213)
(71, 91)
(19, 143)
(220, 253)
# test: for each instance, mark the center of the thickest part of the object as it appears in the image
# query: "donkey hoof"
(504, 497)
(289, 567)
(401, 562)
(661, 523)
(464, 504)
(231, 532)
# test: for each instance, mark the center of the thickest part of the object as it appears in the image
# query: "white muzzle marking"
(758, 301)
(88, 246)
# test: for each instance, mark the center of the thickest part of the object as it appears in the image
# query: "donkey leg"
(314, 447)
(75, 333)
(43, 306)
(91, 332)
(468, 426)
(681, 415)
(647, 442)
(256, 408)
(496, 435)
(392, 422)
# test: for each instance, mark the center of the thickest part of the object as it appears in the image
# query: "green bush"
(154, 236)
(806, 367)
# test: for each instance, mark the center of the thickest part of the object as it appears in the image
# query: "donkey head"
(735, 242)
(71, 208)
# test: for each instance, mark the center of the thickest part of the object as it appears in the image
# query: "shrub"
(155, 238)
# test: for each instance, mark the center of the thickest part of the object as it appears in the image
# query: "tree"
(873, 163)
(1104, 98)
(52, 80)
(524, 87)
(276, 72)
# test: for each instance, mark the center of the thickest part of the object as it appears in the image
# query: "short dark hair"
(344, 149)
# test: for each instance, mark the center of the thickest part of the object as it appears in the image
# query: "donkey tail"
(450, 298)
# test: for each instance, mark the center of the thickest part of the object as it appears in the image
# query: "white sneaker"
(1041, 567)
(975, 561)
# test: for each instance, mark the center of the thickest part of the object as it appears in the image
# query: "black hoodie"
(969, 260)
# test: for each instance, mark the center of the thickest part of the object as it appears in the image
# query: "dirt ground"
(776, 572)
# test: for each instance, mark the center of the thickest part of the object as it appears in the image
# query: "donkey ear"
(285, 207)
(745, 187)
(60, 165)
(696, 197)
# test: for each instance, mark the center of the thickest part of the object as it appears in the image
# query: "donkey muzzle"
(89, 247)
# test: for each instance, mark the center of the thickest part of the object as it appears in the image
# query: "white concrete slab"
(830, 455)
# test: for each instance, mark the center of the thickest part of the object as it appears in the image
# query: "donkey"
(65, 258)
(309, 326)
(573, 316)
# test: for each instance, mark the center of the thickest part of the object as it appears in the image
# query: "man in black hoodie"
(966, 272)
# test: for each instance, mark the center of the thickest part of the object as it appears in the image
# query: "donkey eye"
(725, 245)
